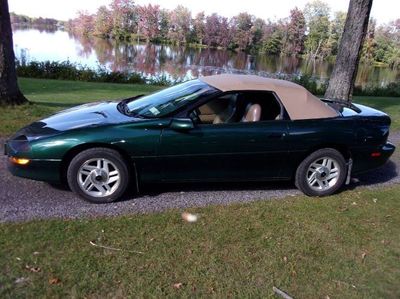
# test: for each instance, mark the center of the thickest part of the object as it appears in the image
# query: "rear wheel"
(98, 175)
(322, 173)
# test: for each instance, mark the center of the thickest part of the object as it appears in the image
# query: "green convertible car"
(215, 128)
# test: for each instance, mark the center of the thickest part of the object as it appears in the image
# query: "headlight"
(20, 144)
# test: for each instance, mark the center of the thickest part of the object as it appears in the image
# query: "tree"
(217, 32)
(198, 27)
(10, 93)
(344, 73)
(180, 22)
(370, 43)
(317, 17)
(242, 26)
(84, 24)
(257, 32)
(124, 17)
(335, 36)
(149, 21)
(296, 32)
(103, 22)
(164, 23)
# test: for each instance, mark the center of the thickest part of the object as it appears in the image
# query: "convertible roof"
(298, 101)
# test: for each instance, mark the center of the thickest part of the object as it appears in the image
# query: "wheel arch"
(341, 148)
(72, 152)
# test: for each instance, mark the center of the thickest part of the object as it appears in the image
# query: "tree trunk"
(344, 73)
(10, 93)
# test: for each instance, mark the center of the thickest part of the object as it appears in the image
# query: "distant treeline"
(36, 22)
(66, 70)
(310, 32)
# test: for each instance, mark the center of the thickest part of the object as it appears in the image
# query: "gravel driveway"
(22, 200)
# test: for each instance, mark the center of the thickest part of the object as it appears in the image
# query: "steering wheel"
(194, 115)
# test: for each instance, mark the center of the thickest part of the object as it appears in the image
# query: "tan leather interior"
(214, 112)
(252, 114)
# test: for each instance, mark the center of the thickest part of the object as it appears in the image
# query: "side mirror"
(182, 124)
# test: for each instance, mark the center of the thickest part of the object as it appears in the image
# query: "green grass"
(343, 246)
(49, 96)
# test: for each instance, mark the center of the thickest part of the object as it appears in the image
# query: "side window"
(217, 111)
(245, 106)
(259, 106)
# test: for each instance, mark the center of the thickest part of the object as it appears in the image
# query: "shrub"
(67, 70)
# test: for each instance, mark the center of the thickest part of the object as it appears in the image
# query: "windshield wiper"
(123, 105)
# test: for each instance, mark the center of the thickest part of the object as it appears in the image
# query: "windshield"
(169, 100)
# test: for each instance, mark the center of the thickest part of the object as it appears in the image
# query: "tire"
(322, 173)
(98, 175)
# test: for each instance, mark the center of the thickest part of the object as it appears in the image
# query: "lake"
(176, 62)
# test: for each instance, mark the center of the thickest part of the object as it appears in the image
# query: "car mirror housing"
(182, 124)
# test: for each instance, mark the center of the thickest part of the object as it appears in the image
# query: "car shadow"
(158, 189)
(381, 175)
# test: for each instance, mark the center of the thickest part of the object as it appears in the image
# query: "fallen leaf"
(374, 200)
(18, 258)
(177, 285)
(189, 217)
(21, 280)
(354, 203)
(32, 269)
(285, 259)
(36, 253)
(327, 297)
(363, 255)
(54, 280)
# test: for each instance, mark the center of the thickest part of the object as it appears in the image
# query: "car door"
(233, 151)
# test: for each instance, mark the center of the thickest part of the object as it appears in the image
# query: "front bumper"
(37, 169)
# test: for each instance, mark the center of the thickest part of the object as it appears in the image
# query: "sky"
(383, 10)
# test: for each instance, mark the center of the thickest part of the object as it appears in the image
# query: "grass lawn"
(49, 96)
(343, 246)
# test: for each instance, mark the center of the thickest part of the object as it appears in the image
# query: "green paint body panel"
(169, 149)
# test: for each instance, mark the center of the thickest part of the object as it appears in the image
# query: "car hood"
(92, 114)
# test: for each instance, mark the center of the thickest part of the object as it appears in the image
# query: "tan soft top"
(298, 101)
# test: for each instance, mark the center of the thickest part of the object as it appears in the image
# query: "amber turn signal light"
(19, 161)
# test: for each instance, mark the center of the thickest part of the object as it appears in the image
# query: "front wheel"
(98, 175)
(322, 173)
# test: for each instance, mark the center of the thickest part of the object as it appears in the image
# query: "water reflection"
(176, 61)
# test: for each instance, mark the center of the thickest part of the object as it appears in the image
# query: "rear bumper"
(365, 161)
